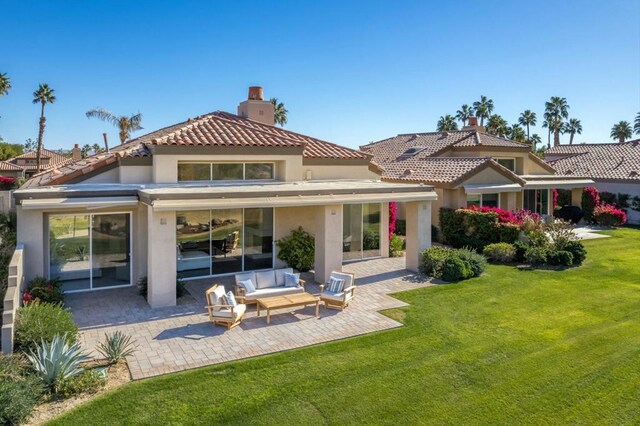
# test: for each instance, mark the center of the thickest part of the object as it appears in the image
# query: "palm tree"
(5, 84)
(636, 126)
(498, 126)
(280, 112)
(447, 124)
(483, 108)
(621, 131)
(558, 110)
(44, 95)
(125, 124)
(96, 148)
(516, 133)
(464, 113)
(534, 141)
(84, 151)
(572, 127)
(526, 119)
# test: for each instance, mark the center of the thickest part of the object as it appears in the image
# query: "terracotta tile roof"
(7, 166)
(620, 161)
(432, 169)
(216, 129)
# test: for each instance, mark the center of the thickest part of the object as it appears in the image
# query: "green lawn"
(510, 347)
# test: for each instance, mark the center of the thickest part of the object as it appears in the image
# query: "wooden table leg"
(317, 308)
(268, 316)
(258, 309)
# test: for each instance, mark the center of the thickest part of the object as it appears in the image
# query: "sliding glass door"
(222, 241)
(90, 251)
(361, 231)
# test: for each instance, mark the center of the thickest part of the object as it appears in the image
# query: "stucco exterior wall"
(109, 176)
(161, 258)
(31, 233)
(135, 174)
(487, 176)
(339, 172)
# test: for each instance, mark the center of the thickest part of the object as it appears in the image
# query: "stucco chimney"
(76, 154)
(472, 124)
(256, 108)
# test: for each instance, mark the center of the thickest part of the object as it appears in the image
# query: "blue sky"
(349, 71)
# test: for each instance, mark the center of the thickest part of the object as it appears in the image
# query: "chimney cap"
(255, 93)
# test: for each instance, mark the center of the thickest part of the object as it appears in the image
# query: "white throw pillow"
(291, 280)
(248, 286)
(231, 299)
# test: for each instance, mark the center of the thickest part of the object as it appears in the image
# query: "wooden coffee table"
(286, 301)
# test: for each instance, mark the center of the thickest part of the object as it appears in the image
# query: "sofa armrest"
(301, 282)
(322, 288)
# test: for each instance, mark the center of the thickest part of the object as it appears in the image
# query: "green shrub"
(42, 321)
(142, 285)
(559, 257)
(117, 346)
(476, 261)
(370, 240)
(432, 260)
(56, 360)
(297, 249)
(475, 229)
(576, 248)
(521, 248)
(89, 381)
(401, 227)
(536, 255)
(500, 252)
(19, 392)
(456, 269)
(44, 290)
(396, 245)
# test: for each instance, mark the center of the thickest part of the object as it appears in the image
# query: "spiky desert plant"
(116, 346)
(56, 360)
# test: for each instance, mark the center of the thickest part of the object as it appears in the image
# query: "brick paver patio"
(181, 337)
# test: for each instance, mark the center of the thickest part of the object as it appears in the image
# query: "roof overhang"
(557, 182)
(491, 188)
(75, 203)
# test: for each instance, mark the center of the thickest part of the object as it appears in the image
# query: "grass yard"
(510, 347)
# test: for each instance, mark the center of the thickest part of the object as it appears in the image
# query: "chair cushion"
(335, 285)
(218, 296)
(274, 291)
(348, 278)
(238, 311)
(338, 297)
(291, 280)
(231, 299)
(265, 279)
(248, 286)
(280, 273)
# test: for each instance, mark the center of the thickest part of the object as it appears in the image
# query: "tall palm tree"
(84, 151)
(526, 119)
(572, 127)
(44, 95)
(280, 112)
(464, 113)
(498, 126)
(621, 131)
(534, 141)
(5, 84)
(97, 148)
(126, 125)
(516, 133)
(447, 124)
(483, 108)
(558, 110)
(636, 126)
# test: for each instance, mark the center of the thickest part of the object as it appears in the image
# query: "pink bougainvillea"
(393, 210)
(507, 216)
(27, 298)
(555, 198)
(6, 183)
(609, 215)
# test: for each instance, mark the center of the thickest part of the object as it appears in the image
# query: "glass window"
(228, 171)
(258, 239)
(509, 163)
(490, 200)
(258, 171)
(195, 171)
(69, 251)
(360, 231)
(536, 200)
(226, 241)
(543, 201)
(110, 245)
(474, 200)
(371, 230)
(193, 244)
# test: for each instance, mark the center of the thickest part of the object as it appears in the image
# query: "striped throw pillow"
(336, 285)
(231, 299)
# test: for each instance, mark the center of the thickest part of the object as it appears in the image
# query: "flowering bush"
(6, 183)
(43, 290)
(590, 199)
(608, 215)
(504, 216)
(393, 210)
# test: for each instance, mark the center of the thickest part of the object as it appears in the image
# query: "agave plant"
(116, 347)
(57, 360)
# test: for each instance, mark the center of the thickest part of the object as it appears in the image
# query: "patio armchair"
(339, 300)
(220, 312)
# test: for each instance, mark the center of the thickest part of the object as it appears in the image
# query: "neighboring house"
(615, 167)
(25, 165)
(470, 167)
(206, 197)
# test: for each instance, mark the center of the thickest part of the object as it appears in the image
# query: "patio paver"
(181, 337)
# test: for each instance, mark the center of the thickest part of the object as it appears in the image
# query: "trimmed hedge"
(475, 229)
(500, 252)
(451, 264)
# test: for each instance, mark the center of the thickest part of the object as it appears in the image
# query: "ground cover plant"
(512, 346)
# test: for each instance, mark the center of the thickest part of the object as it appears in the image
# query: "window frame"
(514, 159)
(244, 171)
(482, 198)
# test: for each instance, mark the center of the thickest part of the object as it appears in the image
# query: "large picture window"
(361, 231)
(483, 200)
(225, 171)
(90, 251)
(221, 241)
(536, 200)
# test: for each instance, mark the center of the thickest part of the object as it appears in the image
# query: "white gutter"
(492, 188)
(558, 183)
(74, 203)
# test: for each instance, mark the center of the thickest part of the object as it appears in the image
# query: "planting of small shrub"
(143, 285)
(396, 246)
(476, 228)
(576, 248)
(536, 255)
(559, 257)
(89, 381)
(38, 321)
(451, 264)
(298, 249)
(43, 290)
(19, 391)
(500, 252)
(608, 215)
